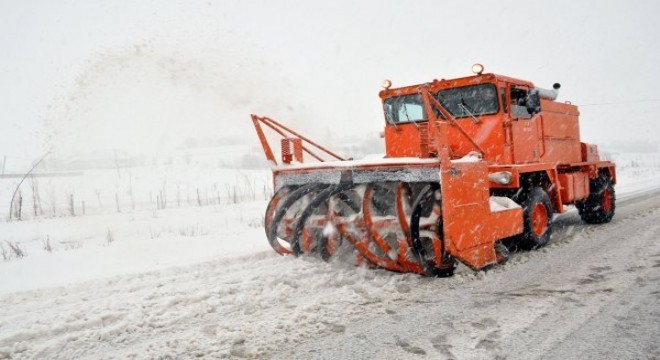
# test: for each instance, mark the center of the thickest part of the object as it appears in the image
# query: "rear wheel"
(599, 207)
(537, 219)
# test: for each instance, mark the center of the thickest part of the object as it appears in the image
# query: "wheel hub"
(607, 200)
(539, 219)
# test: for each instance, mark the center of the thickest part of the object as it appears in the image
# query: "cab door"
(524, 127)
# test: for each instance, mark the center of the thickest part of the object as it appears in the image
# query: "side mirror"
(533, 103)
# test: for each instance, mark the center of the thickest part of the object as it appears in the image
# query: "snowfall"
(171, 261)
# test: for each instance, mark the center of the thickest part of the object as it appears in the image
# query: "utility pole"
(117, 165)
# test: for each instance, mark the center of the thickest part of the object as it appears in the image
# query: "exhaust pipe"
(547, 93)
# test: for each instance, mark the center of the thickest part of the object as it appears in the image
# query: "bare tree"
(34, 166)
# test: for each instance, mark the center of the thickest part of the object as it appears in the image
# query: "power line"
(622, 102)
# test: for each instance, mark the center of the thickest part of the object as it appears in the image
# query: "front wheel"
(537, 219)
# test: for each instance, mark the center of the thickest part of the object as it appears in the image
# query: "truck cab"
(509, 120)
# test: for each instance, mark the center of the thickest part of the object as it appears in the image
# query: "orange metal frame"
(547, 142)
(285, 132)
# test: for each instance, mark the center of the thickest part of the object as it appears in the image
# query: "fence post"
(72, 208)
(35, 198)
(20, 204)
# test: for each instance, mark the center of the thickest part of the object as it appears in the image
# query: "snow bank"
(65, 250)
(95, 246)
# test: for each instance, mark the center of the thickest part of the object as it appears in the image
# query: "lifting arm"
(282, 131)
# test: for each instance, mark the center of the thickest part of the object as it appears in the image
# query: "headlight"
(501, 177)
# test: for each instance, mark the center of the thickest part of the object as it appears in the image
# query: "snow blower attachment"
(473, 167)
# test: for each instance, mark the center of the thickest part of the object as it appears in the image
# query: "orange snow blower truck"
(472, 167)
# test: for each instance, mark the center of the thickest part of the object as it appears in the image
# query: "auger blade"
(372, 218)
(426, 233)
(283, 213)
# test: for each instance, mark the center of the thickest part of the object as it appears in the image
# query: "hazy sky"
(143, 75)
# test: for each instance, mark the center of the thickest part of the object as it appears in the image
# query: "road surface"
(592, 293)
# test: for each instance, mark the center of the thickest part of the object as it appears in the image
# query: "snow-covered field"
(136, 219)
(201, 281)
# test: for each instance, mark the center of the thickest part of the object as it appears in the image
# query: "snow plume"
(148, 99)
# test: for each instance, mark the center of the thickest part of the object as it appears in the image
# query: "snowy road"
(592, 293)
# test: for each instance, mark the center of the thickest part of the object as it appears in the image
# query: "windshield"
(470, 100)
(404, 109)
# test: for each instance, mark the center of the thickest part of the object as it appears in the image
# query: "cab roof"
(436, 84)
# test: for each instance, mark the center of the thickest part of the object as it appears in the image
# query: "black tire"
(599, 207)
(502, 253)
(537, 224)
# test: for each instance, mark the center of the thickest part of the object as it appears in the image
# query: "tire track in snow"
(533, 306)
(266, 305)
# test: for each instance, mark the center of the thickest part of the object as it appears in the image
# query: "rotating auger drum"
(470, 164)
(372, 222)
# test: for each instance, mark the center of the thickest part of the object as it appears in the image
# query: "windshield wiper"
(463, 107)
(389, 118)
(405, 112)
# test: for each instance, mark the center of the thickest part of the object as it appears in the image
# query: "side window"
(519, 98)
(410, 112)
(404, 109)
